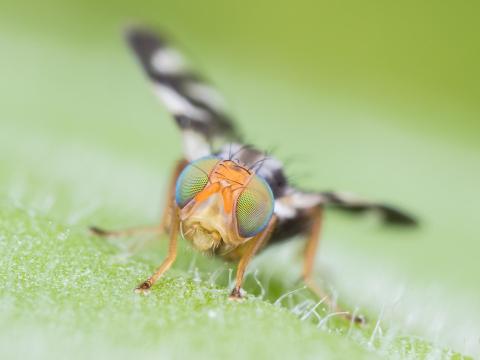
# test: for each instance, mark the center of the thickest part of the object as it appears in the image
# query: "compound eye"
(193, 179)
(254, 207)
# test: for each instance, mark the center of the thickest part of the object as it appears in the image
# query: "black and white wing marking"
(352, 203)
(294, 207)
(196, 107)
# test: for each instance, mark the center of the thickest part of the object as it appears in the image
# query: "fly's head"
(222, 203)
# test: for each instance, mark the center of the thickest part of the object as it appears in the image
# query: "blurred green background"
(378, 98)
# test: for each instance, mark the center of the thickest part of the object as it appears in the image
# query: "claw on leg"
(357, 319)
(236, 294)
(94, 230)
(144, 288)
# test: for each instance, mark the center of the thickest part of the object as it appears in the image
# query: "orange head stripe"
(227, 177)
(226, 191)
(227, 199)
(207, 192)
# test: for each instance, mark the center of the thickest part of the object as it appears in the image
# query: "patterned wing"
(196, 107)
(294, 207)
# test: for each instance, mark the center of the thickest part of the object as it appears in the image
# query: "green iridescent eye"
(254, 207)
(193, 179)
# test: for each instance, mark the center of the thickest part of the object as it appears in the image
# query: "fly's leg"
(309, 261)
(158, 229)
(255, 244)
(172, 254)
(154, 229)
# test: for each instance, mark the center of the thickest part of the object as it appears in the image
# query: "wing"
(196, 107)
(349, 202)
(294, 207)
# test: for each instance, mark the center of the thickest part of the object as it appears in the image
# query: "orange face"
(222, 203)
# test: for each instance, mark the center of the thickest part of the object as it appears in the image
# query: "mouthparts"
(203, 239)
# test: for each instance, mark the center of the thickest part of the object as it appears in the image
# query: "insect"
(226, 197)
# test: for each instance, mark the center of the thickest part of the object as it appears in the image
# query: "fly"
(225, 197)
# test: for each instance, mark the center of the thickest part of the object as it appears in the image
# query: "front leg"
(172, 253)
(255, 244)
